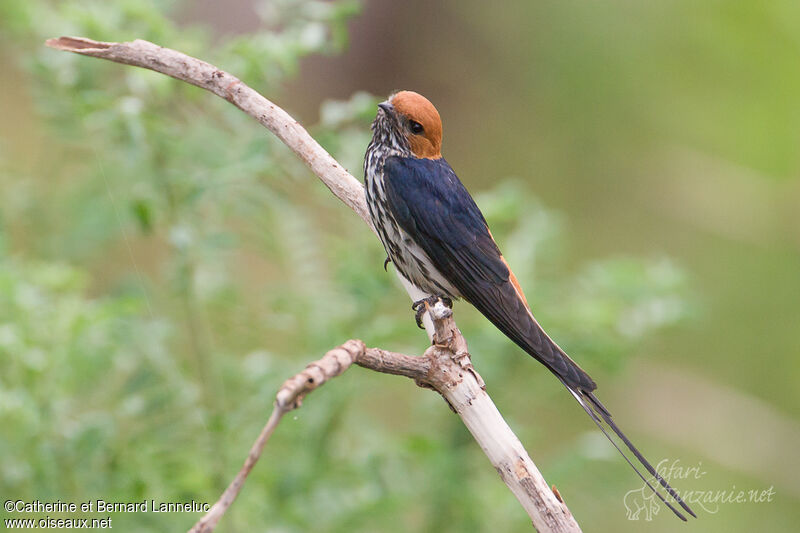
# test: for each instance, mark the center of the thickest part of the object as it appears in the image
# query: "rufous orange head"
(413, 121)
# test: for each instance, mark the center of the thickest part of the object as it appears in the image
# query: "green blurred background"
(165, 263)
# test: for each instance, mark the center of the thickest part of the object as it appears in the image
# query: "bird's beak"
(387, 107)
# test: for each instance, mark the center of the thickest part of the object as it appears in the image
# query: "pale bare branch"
(147, 55)
(445, 367)
(289, 397)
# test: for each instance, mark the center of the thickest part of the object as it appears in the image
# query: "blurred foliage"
(169, 264)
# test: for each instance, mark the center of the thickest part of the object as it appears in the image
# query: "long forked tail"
(598, 412)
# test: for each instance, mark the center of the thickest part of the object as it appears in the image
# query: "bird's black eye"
(416, 127)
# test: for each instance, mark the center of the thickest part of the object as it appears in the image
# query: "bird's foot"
(421, 306)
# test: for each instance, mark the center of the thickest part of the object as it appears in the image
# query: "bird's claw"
(421, 306)
(419, 310)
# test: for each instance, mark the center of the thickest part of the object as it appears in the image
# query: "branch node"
(290, 395)
(440, 311)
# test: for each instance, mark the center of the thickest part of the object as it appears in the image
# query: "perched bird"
(438, 240)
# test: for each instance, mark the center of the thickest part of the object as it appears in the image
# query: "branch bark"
(446, 365)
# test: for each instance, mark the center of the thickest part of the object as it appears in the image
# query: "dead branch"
(290, 396)
(445, 366)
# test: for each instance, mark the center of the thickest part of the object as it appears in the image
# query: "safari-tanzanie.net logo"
(642, 504)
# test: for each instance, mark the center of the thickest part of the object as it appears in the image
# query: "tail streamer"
(602, 417)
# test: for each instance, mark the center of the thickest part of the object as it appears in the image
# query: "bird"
(438, 240)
